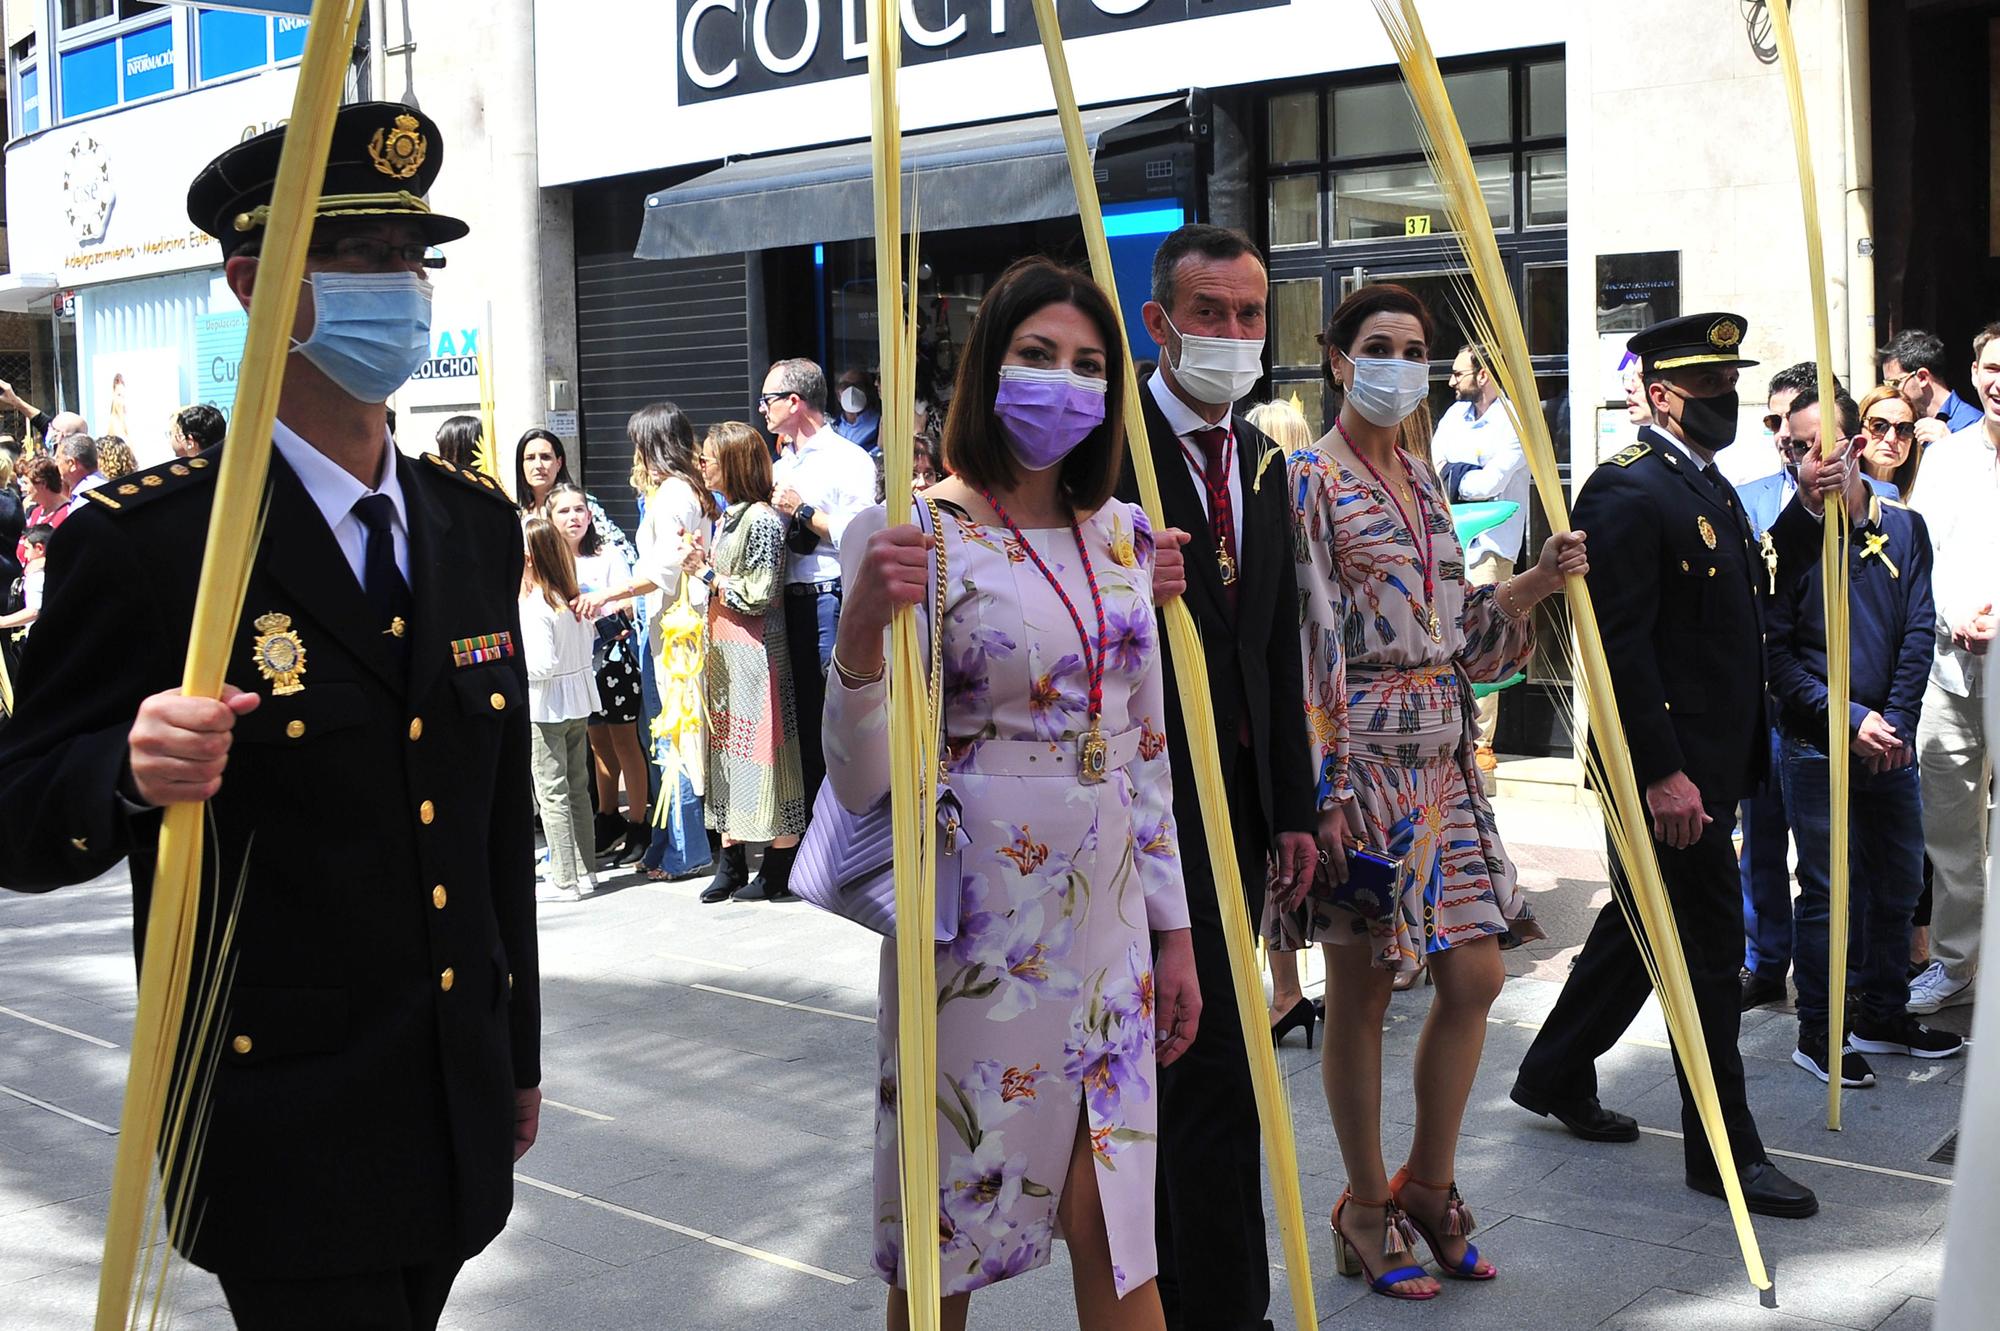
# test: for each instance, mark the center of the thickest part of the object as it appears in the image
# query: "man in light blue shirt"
(1913, 364)
(1478, 457)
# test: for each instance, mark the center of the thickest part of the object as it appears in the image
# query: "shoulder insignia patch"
(130, 491)
(474, 479)
(1625, 457)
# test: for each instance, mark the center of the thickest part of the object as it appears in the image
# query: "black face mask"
(1710, 422)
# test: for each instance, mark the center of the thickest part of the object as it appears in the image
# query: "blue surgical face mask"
(1386, 390)
(370, 331)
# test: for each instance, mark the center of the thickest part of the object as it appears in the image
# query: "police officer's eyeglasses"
(366, 251)
(1878, 428)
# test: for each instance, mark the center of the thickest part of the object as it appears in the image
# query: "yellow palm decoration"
(156, 1095)
(1493, 317)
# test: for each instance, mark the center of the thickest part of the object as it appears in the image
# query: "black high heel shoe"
(1302, 1014)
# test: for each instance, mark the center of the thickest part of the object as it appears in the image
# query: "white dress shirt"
(1958, 494)
(1183, 420)
(334, 492)
(837, 478)
(1500, 471)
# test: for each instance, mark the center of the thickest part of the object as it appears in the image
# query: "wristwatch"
(803, 515)
(708, 577)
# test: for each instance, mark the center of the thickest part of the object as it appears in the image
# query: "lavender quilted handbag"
(845, 862)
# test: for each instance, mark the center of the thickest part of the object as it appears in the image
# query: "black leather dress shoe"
(1766, 1191)
(1584, 1118)
(1759, 990)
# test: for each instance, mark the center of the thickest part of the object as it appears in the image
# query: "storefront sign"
(218, 355)
(731, 47)
(106, 199)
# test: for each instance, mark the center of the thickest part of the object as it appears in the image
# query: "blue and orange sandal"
(1396, 1236)
(1457, 1225)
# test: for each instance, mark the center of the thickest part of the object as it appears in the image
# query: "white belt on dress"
(1029, 757)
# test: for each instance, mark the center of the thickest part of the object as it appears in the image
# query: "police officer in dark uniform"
(1678, 583)
(376, 1061)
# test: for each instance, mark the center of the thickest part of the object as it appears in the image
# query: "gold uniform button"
(296, 729)
(438, 897)
(416, 727)
(241, 1044)
(444, 980)
(427, 813)
(499, 701)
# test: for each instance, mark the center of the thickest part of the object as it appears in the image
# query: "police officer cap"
(381, 163)
(1692, 339)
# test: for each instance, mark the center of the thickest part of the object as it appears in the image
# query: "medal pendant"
(1227, 563)
(1431, 624)
(1093, 759)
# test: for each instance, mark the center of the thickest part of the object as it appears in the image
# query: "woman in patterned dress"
(755, 792)
(1394, 638)
(1052, 1012)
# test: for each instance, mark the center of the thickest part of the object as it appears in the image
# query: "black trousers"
(1214, 1271)
(810, 619)
(409, 1298)
(1609, 986)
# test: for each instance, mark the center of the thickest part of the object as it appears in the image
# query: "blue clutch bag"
(1370, 891)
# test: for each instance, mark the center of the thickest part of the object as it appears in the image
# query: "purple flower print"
(991, 1092)
(981, 1188)
(1102, 1057)
(965, 682)
(1022, 1248)
(1129, 639)
(982, 911)
(1057, 699)
(1025, 956)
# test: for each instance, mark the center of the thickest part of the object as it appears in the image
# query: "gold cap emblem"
(278, 654)
(399, 151)
(1724, 335)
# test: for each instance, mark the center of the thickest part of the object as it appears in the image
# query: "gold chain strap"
(936, 701)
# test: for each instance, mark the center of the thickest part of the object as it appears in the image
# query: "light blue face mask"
(370, 331)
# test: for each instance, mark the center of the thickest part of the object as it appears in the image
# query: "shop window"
(1374, 119)
(89, 77)
(1297, 307)
(230, 43)
(28, 87)
(82, 13)
(149, 61)
(1406, 200)
(1295, 211)
(1548, 107)
(1548, 189)
(1294, 126)
(1547, 309)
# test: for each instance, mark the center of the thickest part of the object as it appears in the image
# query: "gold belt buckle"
(1093, 757)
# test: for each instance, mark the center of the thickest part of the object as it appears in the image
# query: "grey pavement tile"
(1823, 1286)
(48, 1239)
(1915, 1315)
(610, 1238)
(517, 1266)
(1669, 1310)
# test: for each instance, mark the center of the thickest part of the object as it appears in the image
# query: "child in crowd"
(562, 694)
(35, 543)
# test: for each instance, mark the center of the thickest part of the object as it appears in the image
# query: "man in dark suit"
(377, 1050)
(1208, 315)
(1678, 582)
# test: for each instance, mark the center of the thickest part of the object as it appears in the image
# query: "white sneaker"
(1935, 988)
(585, 886)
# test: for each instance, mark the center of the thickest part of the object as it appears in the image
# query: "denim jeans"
(811, 619)
(1767, 878)
(1886, 875)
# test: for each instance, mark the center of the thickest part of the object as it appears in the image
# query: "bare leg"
(951, 1315)
(784, 843)
(604, 764)
(1357, 999)
(1468, 979)
(1081, 1216)
(630, 761)
(1285, 991)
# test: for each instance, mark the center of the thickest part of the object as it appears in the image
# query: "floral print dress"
(1390, 710)
(1045, 998)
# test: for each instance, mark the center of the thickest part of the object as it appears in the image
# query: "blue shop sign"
(90, 77)
(149, 58)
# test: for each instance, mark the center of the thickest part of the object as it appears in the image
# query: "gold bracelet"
(857, 681)
(1509, 605)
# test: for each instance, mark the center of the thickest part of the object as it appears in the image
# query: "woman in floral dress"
(1394, 638)
(1052, 1010)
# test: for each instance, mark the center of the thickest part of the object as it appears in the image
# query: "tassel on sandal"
(1458, 1224)
(1397, 1236)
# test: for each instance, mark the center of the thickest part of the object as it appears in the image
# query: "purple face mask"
(1045, 414)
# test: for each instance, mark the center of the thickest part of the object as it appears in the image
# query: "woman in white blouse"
(561, 696)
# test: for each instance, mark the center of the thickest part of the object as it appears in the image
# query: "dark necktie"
(381, 581)
(1214, 444)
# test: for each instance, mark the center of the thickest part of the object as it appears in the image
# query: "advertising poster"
(135, 395)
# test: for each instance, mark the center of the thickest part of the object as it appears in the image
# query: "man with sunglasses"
(1913, 364)
(376, 1054)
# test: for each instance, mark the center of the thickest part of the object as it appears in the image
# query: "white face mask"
(853, 399)
(1218, 370)
(1385, 391)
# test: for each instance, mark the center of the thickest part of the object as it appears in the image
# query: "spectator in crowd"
(755, 795)
(43, 430)
(1290, 433)
(13, 520)
(1637, 410)
(114, 457)
(1914, 365)
(34, 540)
(76, 454)
(1891, 626)
(925, 469)
(1075, 1032)
(562, 695)
(1478, 457)
(1888, 452)
(616, 752)
(458, 441)
(540, 464)
(195, 428)
(819, 485)
(677, 514)
(48, 498)
(1959, 503)
(860, 418)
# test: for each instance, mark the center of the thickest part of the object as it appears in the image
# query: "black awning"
(1009, 171)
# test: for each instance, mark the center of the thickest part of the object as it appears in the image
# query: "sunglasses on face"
(1773, 421)
(1878, 428)
(764, 400)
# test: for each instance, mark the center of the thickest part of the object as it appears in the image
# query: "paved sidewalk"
(705, 1157)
